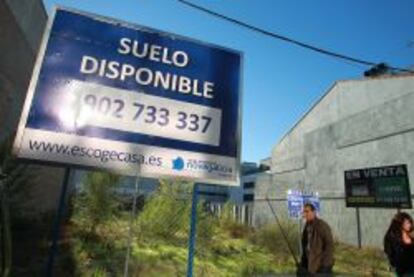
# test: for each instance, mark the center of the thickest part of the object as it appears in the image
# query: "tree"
(96, 202)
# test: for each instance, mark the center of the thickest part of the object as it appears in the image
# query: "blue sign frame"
(75, 40)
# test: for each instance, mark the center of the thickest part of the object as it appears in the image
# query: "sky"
(280, 81)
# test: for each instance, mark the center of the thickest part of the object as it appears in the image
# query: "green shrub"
(271, 237)
(96, 202)
(223, 246)
(166, 216)
(166, 213)
(99, 272)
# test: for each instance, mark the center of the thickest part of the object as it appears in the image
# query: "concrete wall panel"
(358, 124)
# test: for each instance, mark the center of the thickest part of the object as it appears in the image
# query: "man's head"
(309, 212)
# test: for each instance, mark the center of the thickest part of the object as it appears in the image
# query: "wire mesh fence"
(230, 240)
(225, 244)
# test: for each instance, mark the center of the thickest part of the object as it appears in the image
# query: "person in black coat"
(399, 244)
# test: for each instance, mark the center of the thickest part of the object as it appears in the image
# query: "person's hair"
(310, 206)
(395, 230)
(393, 239)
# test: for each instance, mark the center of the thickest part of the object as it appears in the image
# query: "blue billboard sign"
(114, 95)
(296, 199)
(295, 205)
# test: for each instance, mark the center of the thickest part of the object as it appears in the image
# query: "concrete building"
(21, 29)
(243, 196)
(356, 124)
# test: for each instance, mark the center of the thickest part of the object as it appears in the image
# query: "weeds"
(224, 247)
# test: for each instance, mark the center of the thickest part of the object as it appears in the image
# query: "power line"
(286, 39)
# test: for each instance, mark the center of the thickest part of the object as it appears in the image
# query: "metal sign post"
(192, 235)
(358, 218)
(57, 223)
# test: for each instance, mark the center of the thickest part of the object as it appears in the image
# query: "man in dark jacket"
(317, 245)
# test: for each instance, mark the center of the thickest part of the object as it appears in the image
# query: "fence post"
(192, 235)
